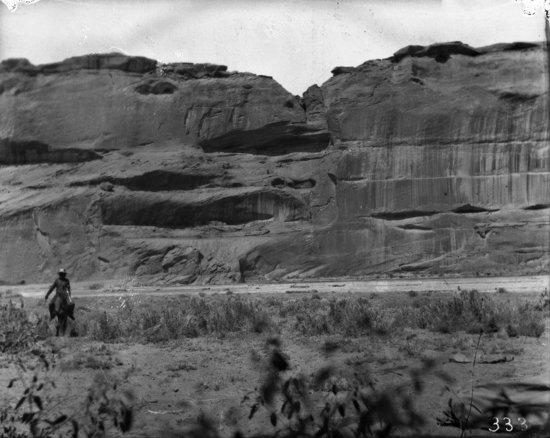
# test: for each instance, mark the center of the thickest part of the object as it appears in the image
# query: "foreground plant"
(500, 406)
(105, 410)
(502, 413)
(544, 300)
(359, 412)
(362, 411)
(17, 332)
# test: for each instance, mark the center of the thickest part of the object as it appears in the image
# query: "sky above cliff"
(298, 42)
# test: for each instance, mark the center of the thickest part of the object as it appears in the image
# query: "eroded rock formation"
(434, 160)
(114, 102)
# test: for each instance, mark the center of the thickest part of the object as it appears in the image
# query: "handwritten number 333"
(508, 424)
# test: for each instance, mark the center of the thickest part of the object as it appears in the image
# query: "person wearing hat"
(62, 298)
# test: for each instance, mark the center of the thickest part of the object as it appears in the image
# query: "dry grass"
(96, 286)
(137, 318)
(473, 312)
(349, 316)
(134, 318)
(191, 317)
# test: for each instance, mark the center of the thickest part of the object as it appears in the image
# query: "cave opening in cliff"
(275, 139)
(415, 227)
(467, 208)
(401, 215)
(537, 207)
(34, 152)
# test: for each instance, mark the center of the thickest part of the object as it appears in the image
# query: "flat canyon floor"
(174, 381)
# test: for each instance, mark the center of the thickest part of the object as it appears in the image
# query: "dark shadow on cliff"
(34, 152)
(175, 211)
(401, 215)
(155, 181)
(538, 207)
(467, 208)
(279, 138)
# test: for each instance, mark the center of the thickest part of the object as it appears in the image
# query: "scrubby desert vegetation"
(304, 364)
(352, 315)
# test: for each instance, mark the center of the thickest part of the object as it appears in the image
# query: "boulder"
(108, 61)
(441, 52)
(459, 358)
(106, 186)
(341, 70)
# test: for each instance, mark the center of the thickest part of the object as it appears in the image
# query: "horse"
(61, 323)
(60, 308)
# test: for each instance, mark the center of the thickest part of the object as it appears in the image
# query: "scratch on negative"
(12, 4)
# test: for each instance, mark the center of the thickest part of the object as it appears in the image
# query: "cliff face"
(433, 160)
(82, 106)
(436, 152)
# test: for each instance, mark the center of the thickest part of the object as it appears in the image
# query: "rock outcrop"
(114, 102)
(435, 160)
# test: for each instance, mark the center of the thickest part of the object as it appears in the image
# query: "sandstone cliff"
(434, 160)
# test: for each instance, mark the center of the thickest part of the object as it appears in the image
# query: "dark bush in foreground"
(17, 331)
(105, 411)
(283, 399)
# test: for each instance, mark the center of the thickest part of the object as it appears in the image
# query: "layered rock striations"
(434, 160)
(114, 102)
(436, 145)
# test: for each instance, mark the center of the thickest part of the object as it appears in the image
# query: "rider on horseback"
(62, 299)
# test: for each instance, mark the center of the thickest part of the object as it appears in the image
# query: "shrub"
(527, 327)
(96, 286)
(104, 409)
(17, 331)
(347, 410)
(350, 316)
(501, 405)
(473, 313)
(106, 328)
(544, 301)
(140, 321)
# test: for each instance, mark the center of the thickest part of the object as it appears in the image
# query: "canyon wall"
(434, 161)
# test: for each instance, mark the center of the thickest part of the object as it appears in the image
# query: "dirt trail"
(482, 284)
